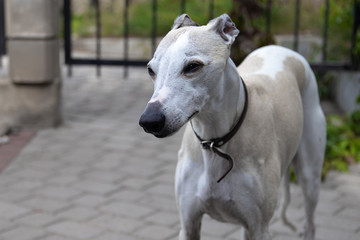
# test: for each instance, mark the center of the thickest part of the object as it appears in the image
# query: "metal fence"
(2, 29)
(99, 61)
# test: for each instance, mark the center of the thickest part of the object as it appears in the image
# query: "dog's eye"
(192, 67)
(151, 72)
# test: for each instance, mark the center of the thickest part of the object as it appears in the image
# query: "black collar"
(215, 143)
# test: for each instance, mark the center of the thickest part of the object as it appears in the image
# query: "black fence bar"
(355, 61)
(211, 9)
(268, 18)
(126, 36)
(67, 36)
(352, 64)
(337, 66)
(98, 35)
(182, 6)
(154, 24)
(2, 29)
(325, 31)
(109, 62)
(297, 25)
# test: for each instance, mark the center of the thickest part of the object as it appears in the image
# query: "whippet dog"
(248, 125)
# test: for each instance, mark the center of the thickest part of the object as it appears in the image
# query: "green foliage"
(340, 22)
(356, 50)
(167, 12)
(140, 17)
(282, 20)
(343, 142)
(323, 81)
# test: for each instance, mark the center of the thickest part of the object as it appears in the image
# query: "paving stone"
(47, 164)
(162, 189)
(108, 164)
(55, 237)
(279, 228)
(235, 235)
(78, 213)
(135, 183)
(156, 232)
(355, 168)
(31, 174)
(63, 179)
(5, 225)
(62, 193)
(127, 209)
(90, 200)
(26, 185)
(117, 224)
(166, 177)
(38, 219)
(216, 229)
(85, 153)
(328, 233)
(328, 207)
(328, 195)
(350, 213)
(95, 187)
(286, 237)
(103, 176)
(45, 204)
(348, 179)
(74, 168)
(74, 230)
(163, 203)
(6, 178)
(113, 236)
(14, 195)
(338, 222)
(141, 171)
(164, 219)
(348, 200)
(23, 233)
(128, 195)
(295, 214)
(10, 211)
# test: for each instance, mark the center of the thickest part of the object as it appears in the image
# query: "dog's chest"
(223, 201)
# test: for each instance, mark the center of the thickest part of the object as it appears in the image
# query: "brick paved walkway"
(100, 177)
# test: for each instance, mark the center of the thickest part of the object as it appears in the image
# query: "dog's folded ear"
(225, 27)
(183, 21)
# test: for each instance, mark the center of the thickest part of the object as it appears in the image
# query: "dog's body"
(195, 79)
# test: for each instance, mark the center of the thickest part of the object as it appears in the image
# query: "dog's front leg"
(190, 217)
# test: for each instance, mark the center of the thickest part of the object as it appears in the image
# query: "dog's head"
(186, 69)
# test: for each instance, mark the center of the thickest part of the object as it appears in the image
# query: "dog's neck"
(224, 109)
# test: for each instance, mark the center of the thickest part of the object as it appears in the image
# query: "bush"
(343, 142)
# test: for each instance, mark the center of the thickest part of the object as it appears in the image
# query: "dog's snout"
(152, 120)
(152, 123)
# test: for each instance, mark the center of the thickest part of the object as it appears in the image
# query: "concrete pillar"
(30, 95)
(32, 32)
(345, 88)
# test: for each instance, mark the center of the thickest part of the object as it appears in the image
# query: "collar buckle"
(207, 144)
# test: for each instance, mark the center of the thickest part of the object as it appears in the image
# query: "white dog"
(244, 132)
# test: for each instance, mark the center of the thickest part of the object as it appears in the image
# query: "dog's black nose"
(152, 120)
